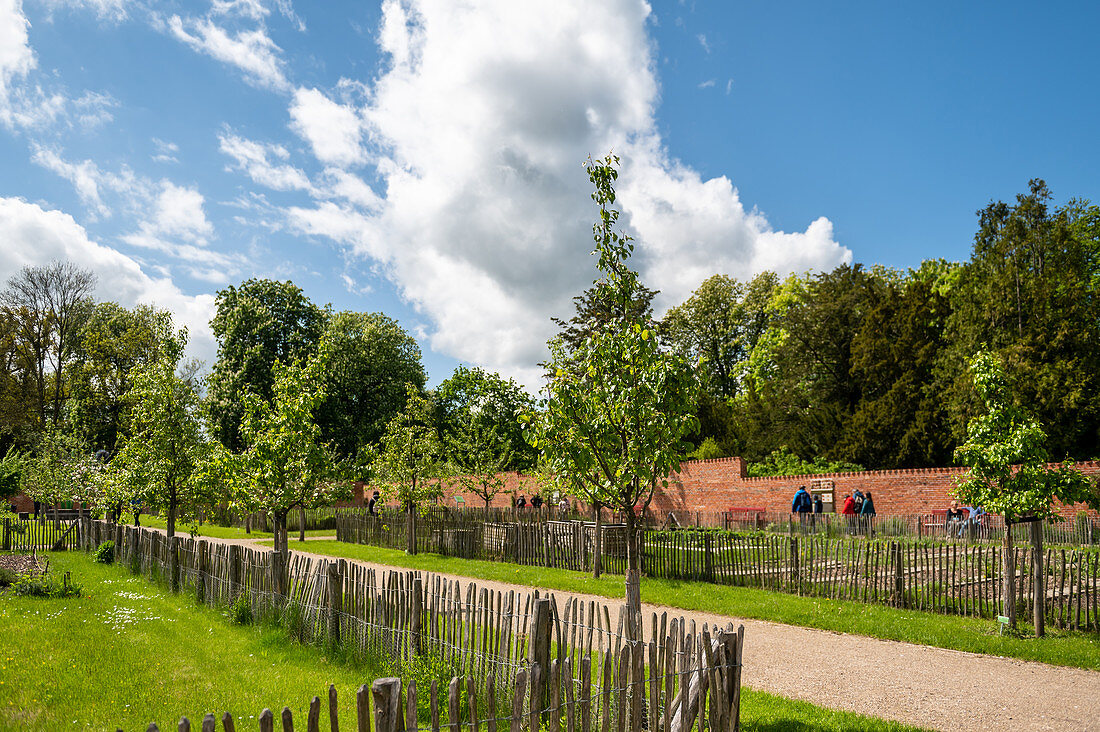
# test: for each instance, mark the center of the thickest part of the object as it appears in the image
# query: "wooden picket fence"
(949, 578)
(545, 538)
(586, 664)
(30, 534)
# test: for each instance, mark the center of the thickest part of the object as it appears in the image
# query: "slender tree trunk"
(137, 516)
(597, 552)
(1038, 579)
(171, 519)
(301, 523)
(1009, 605)
(248, 523)
(633, 572)
(282, 543)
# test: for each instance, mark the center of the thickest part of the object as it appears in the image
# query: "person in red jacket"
(849, 510)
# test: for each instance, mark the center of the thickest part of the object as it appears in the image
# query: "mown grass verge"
(1061, 648)
(127, 652)
(214, 531)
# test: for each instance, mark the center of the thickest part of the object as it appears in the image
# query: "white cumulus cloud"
(33, 236)
(252, 51)
(260, 162)
(333, 130)
(479, 207)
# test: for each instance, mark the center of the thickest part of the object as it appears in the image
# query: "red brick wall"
(710, 486)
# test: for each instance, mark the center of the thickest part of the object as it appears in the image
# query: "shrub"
(45, 586)
(240, 612)
(105, 553)
(8, 577)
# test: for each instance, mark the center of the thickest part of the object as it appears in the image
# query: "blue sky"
(423, 158)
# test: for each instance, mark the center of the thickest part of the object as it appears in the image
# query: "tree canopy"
(256, 324)
(619, 404)
(369, 361)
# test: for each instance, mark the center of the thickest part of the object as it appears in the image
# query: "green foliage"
(61, 469)
(11, 467)
(104, 553)
(240, 611)
(707, 450)
(115, 343)
(479, 421)
(161, 459)
(1006, 453)
(720, 325)
(1031, 293)
(410, 462)
(8, 577)
(257, 324)
(44, 585)
(785, 462)
(285, 463)
(369, 359)
(619, 404)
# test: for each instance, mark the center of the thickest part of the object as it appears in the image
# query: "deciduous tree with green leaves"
(257, 323)
(410, 462)
(1005, 451)
(53, 472)
(285, 464)
(167, 440)
(369, 359)
(619, 403)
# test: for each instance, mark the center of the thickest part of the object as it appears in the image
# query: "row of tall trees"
(300, 401)
(869, 366)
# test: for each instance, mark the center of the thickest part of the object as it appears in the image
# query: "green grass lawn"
(225, 532)
(944, 631)
(127, 653)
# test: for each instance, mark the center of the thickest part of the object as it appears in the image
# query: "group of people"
(521, 501)
(856, 503)
(857, 506)
(960, 518)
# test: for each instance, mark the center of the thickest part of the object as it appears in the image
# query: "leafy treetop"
(1007, 458)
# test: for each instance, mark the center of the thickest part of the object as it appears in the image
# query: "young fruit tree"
(59, 469)
(619, 403)
(1009, 475)
(410, 463)
(284, 465)
(159, 459)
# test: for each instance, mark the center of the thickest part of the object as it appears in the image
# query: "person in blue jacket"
(802, 503)
(866, 515)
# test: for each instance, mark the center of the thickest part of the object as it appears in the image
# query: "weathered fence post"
(708, 555)
(417, 610)
(201, 569)
(796, 576)
(278, 573)
(899, 576)
(7, 535)
(174, 563)
(538, 652)
(234, 570)
(387, 705)
(362, 708)
(1038, 579)
(335, 601)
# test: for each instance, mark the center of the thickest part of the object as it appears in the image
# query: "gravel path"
(914, 684)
